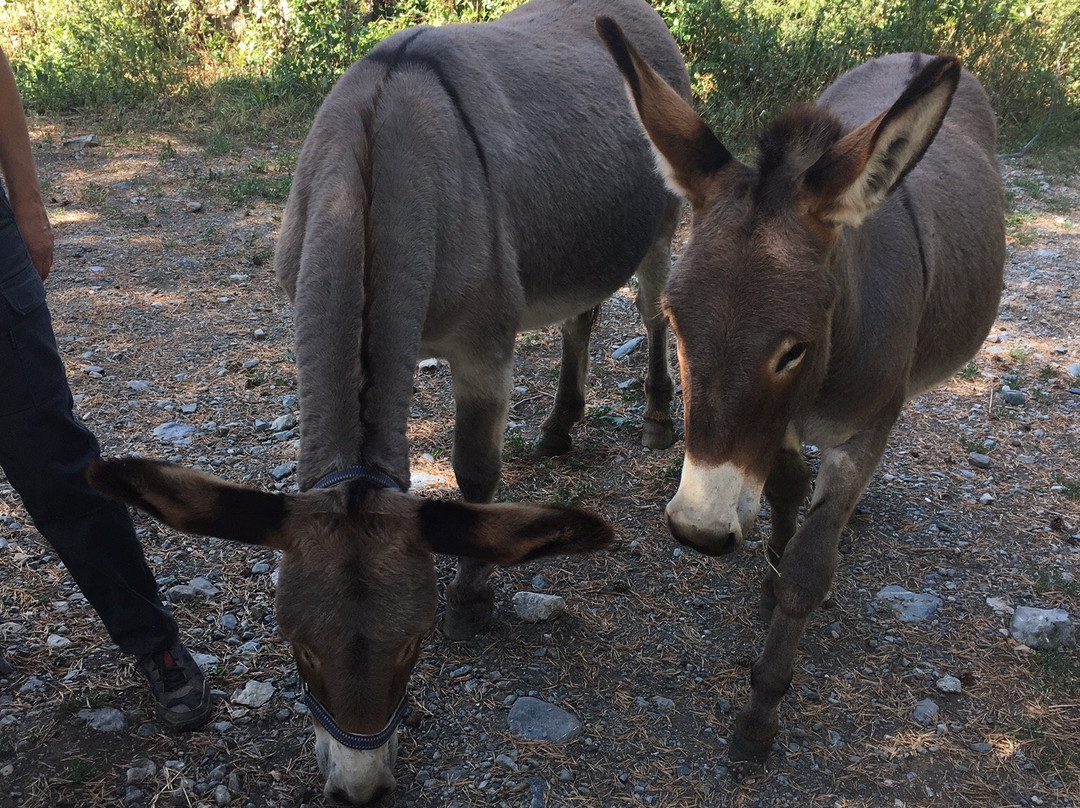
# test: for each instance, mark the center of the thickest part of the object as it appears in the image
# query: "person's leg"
(44, 451)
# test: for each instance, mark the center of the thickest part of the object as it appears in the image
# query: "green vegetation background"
(262, 66)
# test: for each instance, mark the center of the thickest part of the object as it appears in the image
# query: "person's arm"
(20, 174)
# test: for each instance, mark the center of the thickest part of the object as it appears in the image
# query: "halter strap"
(353, 740)
(376, 478)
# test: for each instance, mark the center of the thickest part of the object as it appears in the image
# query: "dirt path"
(167, 311)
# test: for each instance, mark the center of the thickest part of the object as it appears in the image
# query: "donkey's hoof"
(658, 434)
(746, 749)
(552, 444)
(466, 624)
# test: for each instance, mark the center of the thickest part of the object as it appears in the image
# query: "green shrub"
(748, 58)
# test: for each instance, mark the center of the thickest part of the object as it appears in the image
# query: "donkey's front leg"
(785, 489)
(482, 399)
(569, 407)
(805, 573)
(652, 273)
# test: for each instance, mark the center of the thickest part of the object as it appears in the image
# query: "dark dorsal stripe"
(905, 199)
(398, 58)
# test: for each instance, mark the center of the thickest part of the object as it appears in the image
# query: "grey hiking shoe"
(180, 691)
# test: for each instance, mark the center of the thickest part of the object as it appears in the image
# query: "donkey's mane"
(794, 142)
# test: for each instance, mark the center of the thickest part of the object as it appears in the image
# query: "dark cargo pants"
(44, 451)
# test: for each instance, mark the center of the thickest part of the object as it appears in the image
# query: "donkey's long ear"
(192, 501)
(861, 169)
(509, 534)
(687, 152)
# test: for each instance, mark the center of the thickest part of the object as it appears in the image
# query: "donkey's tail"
(321, 263)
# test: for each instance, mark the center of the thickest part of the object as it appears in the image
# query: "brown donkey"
(356, 587)
(859, 263)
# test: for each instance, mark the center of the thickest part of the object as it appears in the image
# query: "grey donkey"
(460, 185)
(856, 265)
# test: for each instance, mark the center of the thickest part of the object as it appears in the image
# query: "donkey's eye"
(792, 357)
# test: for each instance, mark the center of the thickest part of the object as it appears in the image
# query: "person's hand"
(33, 224)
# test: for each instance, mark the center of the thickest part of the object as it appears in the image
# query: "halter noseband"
(376, 479)
(354, 740)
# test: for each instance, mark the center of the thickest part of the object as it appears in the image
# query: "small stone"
(260, 568)
(104, 719)
(206, 661)
(289, 402)
(627, 347)
(986, 499)
(506, 762)
(254, 694)
(979, 461)
(1041, 628)
(949, 684)
(31, 684)
(925, 712)
(1074, 370)
(175, 433)
(139, 385)
(132, 794)
(1000, 605)
(1014, 398)
(283, 423)
(194, 207)
(282, 471)
(140, 771)
(94, 370)
(536, 720)
(259, 333)
(181, 593)
(910, 607)
(203, 587)
(981, 747)
(222, 795)
(82, 141)
(189, 409)
(663, 703)
(535, 607)
(57, 641)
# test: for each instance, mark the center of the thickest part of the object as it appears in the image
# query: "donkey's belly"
(543, 313)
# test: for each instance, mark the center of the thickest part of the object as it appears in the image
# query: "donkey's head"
(356, 587)
(752, 296)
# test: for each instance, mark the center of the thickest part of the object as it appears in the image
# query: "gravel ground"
(167, 313)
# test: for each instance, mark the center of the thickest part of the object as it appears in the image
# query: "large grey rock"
(534, 607)
(536, 720)
(104, 719)
(910, 607)
(1042, 628)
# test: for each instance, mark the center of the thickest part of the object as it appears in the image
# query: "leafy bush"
(748, 58)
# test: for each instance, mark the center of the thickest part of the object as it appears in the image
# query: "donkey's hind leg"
(482, 400)
(652, 273)
(569, 407)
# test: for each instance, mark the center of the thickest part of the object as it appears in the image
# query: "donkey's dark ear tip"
(944, 68)
(611, 34)
(601, 534)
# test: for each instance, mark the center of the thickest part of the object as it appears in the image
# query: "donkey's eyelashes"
(791, 357)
